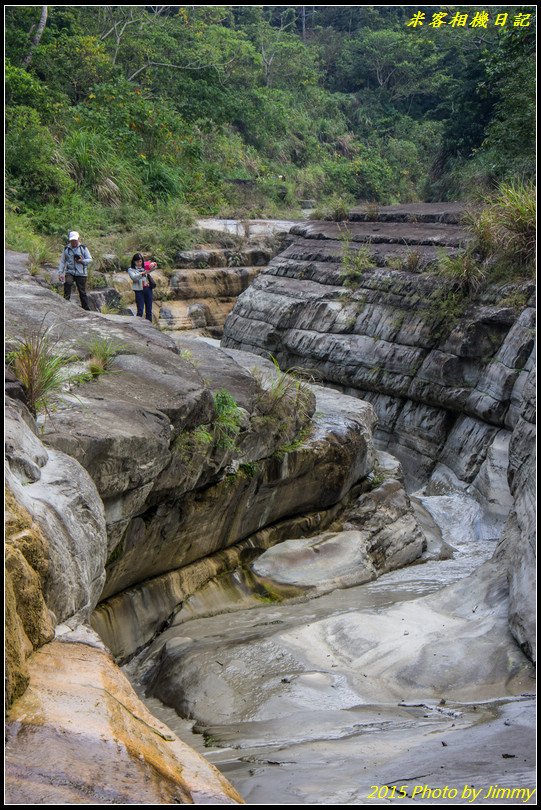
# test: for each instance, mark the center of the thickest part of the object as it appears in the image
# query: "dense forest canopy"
(114, 110)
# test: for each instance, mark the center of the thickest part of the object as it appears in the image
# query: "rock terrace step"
(203, 258)
(405, 233)
(450, 213)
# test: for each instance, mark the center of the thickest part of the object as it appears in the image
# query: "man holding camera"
(73, 267)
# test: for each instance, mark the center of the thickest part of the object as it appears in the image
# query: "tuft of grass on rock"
(505, 231)
(40, 368)
(102, 351)
(354, 263)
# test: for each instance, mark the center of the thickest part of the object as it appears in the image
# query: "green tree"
(73, 64)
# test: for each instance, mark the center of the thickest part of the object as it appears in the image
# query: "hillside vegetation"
(132, 119)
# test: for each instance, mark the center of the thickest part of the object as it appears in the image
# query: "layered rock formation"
(438, 374)
(360, 305)
(184, 466)
(175, 455)
(75, 732)
(200, 291)
(518, 543)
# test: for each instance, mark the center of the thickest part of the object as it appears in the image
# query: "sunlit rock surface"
(79, 735)
(200, 292)
(28, 623)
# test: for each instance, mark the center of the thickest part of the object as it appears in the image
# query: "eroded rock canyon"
(328, 574)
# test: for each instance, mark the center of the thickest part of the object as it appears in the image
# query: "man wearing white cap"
(73, 267)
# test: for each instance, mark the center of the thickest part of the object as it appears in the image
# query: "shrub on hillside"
(33, 159)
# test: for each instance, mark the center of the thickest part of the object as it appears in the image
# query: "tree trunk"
(37, 38)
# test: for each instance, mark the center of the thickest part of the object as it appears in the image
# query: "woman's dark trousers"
(80, 281)
(143, 299)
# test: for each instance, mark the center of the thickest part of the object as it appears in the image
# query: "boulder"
(198, 316)
(110, 263)
(108, 297)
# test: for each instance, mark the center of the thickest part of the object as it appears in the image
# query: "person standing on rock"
(139, 273)
(74, 267)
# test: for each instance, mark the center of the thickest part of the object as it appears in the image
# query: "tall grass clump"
(165, 230)
(93, 163)
(515, 208)
(504, 238)
(87, 153)
(21, 236)
(354, 262)
(505, 230)
(162, 180)
(284, 394)
(334, 209)
(102, 351)
(39, 368)
(285, 404)
(466, 269)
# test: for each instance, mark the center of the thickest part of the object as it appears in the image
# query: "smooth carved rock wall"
(173, 530)
(76, 731)
(378, 532)
(167, 502)
(64, 503)
(129, 620)
(373, 530)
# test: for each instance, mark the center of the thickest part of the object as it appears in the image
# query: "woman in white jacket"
(141, 286)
